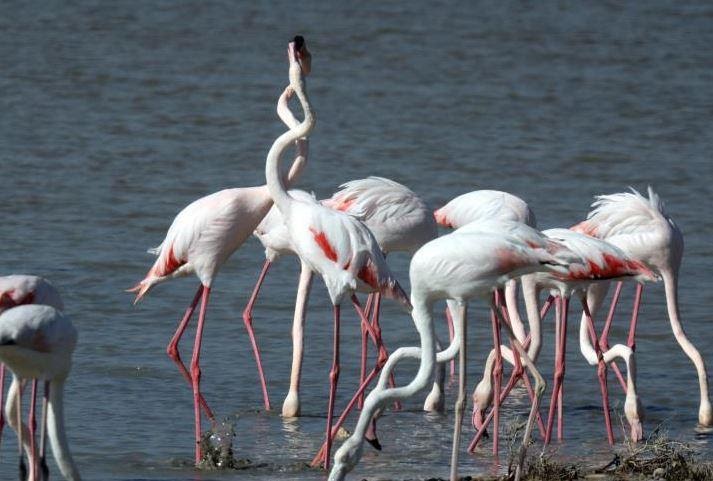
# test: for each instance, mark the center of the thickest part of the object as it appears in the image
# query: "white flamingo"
(37, 342)
(642, 228)
(458, 266)
(204, 235)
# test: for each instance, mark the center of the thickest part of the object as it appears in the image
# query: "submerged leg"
(497, 375)
(601, 372)
(539, 389)
(321, 456)
(22, 467)
(196, 372)
(604, 338)
(172, 348)
(248, 321)
(32, 422)
(291, 405)
(44, 469)
(333, 378)
(460, 402)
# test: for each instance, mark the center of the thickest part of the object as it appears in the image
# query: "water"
(116, 115)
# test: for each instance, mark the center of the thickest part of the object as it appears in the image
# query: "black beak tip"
(375, 443)
(299, 41)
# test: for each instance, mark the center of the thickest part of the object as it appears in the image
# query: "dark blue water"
(115, 115)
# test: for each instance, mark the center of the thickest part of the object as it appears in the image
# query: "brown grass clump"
(660, 457)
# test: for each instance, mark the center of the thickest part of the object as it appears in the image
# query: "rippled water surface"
(115, 115)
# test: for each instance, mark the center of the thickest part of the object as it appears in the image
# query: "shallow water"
(116, 115)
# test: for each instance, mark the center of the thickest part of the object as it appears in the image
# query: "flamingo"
(599, 262)
(642, 228)
(205, 234)
(331, 243)
(37, 342)
(484, 205)
(458, 266)
(17, 290)
(399, 220)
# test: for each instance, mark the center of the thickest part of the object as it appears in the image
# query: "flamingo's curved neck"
(56, 432)
(275, 184)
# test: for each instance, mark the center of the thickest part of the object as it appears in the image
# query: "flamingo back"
(17, 290)
(343, 251)
(398, 218)
(637, 225)
(484, 205)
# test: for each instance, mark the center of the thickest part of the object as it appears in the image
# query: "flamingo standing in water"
(644, 231)
(18, 290)
(37, 342)
(204, 235)
(458, 266)
(599, 262)
(337, 246)
(399, 220)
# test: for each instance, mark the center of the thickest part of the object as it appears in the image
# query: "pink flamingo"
(599, 261)
(458, 266)
(36, 342)
(18, 290)
(337, 246)
(206, 233)
(642, 228)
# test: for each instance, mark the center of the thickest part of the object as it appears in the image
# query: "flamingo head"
(299, 55)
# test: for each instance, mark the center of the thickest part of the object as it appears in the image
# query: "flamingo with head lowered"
(20, 290)
(459, 267)
(642, 228)
(37, 342)
(201, 239)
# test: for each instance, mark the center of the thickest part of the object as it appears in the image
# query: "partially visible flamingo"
(337, 246)
(486, 205)
(37, 342)
(642, 228)
(458, 266)
(206, 233)
(599, 262)
(18, 290)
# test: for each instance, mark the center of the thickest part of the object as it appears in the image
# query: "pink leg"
(604, 338)
(561, 321)
(172, 348)
(196, 371)
(33, 429)
(497, 374)
(563, 347)
(323, 453)
(377, 329)
(601, 372)
(451, 333)
(248, 321)
(631, 341)
(333, 378)
(364, 347)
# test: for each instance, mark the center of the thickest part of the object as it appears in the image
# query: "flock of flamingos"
(494, 253)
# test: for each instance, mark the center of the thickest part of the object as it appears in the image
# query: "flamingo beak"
(303, 56)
